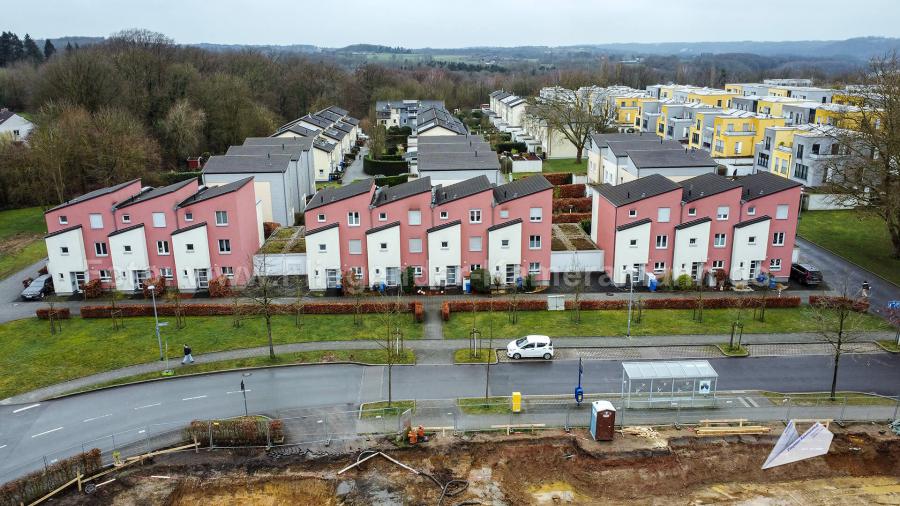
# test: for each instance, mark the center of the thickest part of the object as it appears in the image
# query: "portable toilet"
(603, 420)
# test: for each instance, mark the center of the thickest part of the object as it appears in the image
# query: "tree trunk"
(837, 360)
(578, 154)
(894, 232)
(269, 333)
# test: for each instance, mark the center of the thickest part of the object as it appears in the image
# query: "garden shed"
(686, 383)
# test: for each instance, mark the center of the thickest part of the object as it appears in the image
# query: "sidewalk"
(440, 351)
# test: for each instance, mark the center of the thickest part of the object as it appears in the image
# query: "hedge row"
(384, 167)
(575, 205)
(571, 217)
(243, 431)
(508, 147)
(229, 309)
(37, 484)
(392, 180)
(858, 305)
(569, 191)
(62, 313)
(559, 178)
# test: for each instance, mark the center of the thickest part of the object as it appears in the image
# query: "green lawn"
(21, 239)
(733, 351)
(854, 235)
(375, 409)
(566, 165)
(613, 323)
(890, 346)
(463, 356)
(822, 399)
(482, 406)
(301, 357)
(34, 358)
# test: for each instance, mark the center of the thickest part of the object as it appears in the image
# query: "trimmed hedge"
(559, 178)
(37, 484)
(384, 167)
(242, 431)
(445, 311)
(579, 205)
(172, 177)
(228, 309)
(504, 147)
(392, 180)
(419, 311)
(569, 191)
(858, 305)
(62, 313)
(571, 217)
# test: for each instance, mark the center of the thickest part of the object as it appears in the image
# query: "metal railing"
(309, 427)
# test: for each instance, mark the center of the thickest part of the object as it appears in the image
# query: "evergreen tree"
(5, 48)
(49, 49)
(16, 48)
(31, 50)
(68, 47)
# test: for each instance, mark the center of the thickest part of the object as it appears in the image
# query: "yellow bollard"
(516, 402)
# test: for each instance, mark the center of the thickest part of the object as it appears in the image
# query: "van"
(531, 346)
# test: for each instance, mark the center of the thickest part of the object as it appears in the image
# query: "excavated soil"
(863, 467)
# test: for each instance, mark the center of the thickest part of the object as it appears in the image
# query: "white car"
(532, 346)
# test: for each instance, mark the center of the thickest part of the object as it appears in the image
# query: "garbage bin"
(603, 420)
(516, 402)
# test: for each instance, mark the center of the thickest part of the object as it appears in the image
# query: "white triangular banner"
(792, 448)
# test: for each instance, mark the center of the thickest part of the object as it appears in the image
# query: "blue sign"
(894, 304)
(579, 395)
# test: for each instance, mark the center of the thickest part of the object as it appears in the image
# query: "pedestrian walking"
(187, 355)
(866, 289)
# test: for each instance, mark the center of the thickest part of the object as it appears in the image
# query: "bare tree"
(301, 291)
(173, 296)
(262, 291)
(863, 169)
(838, 321)
(392, 337)
(578, 288)
(574, 117)
(351, 285)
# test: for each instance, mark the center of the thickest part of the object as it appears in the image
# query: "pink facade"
(521, 208)
(767, 205)
(460, 209)
(708, 206)
(399, 210)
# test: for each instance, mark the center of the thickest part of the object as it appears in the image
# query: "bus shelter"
(687, 383)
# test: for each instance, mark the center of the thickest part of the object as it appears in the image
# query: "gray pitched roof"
(350, 119)
(439, 117)
(521, 188)
(246, 164)
(633, 191)
(633, 224)
(330, 195)
(322, 228)
(689, 224)
(5, 114)
(189, 228)
(329, 115)
(388, 194)
(383, 227)
(670, 158)
(126, 229)
(153, 193)
(505, 224)
(705, 185)
(300, 130)
(764, 183)
(442, 226)
(334, 133)
(62, 231)
(215, 191)
(444, 194)
(292, 150)
(602, 139)
(344, 127)
(272, 141)
(316, 120)
(458, 161)
(626, 147)
(93, 194)
(337, 110)
(324, 145)
(754, 221)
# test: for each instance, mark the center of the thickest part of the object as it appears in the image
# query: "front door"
(392, 276)
(201, 276)
(510, 274)
(754, 269)
(639, 273)
(331, 278)
(78, 279)
(138, 278)
(695, 271)
(451, 275)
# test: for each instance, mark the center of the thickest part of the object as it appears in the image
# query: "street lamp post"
(631, 276)
(152, 289)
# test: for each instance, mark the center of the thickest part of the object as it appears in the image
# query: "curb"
(888, 350)
(851, 262)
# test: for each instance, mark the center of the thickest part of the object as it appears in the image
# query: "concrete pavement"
(355, 170)
(12, 307)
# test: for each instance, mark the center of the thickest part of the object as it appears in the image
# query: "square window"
(415, 217)
(775, 264)
(63, 250)
(475, 216)
(444, 215)
(228, 272)
(722, 213)
(96, 221)
(781, 213)
(417, 271)
(224, 246)
(105, 276)
(354, 246)
(504, 214)
(504, 243)
(475, 243)
(663, 214)
(659, 267)
(353, 218)
(383, 246)
(127, 249)
(778, 239)
(632, 213)
(534, 242)
(536, 214)
(632, 243)
(751, 210)
(415, 245)
(662, 242)
(692, 241)
(322, 248)
(63, 219)
(718, 264)
(159, 220)
(320, 218)
(221, 218)
(692, 211)
(445, 245)
(751, 241)
(382, 216)
(126, 218)
(357, 272)
(162, 247)
(474, 267)
(100, 249)
(534, 268)
(189, 248)
(719, 241)
(165, 272)
(188, 216)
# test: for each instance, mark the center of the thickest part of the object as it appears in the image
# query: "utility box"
(516, 402)
(603, 421)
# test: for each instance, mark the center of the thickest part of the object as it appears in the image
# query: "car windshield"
(522, 341)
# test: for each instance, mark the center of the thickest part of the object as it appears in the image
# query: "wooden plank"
(58, 489)
(740, 421)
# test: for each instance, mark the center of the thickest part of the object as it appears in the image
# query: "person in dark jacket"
(187, 355)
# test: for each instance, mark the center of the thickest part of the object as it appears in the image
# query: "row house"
(442, 232)
(436, 121)
(508, 108)
(803, 153)
(800, 89)
(402, 113)
(742, 226)
(125, 234)
(619, 158)
(331, 134)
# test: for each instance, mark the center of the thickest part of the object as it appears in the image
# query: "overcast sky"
(458, 23)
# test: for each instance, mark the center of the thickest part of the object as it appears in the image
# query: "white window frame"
(417, 271)
(782, 211)
(718, 264)
(504, 213)
(227, 246)
(662, 241)
(474, 215)
(323, 248)
(159, 220)
(415, 244)
(126, 249)
(105, 276)
(320, 218)
(382, 216)
(504, 243)
(774, 264)
(534, 268)
(445, 245)
(383, 246)
(472, 240)
(751, 211)
(445, 215)
(632, 213)
(720, 216)
(751, 240)
(357, 272)
(162, 247)
(188, 216)
(632, 243)
(534, 242)
(126, 218)
(100, 249)
(778, 238)
(221, 218)
(536, 214)
(692, 211)
(663, 212)
(227, 271)
(353, 219)
(96, 220)
(63, 219)
(716, 241)
(166, 272)
(692, 242)
(414, 217)
(189, 247)
(659, 267)
(350, 249)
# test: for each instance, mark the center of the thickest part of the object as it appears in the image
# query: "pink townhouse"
(777, 198)
(634, 223)
(127, 234)
(458, 241)
(530, 200)
(408, 206)
(717, 201)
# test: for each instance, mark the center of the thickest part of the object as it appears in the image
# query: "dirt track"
(863, 467)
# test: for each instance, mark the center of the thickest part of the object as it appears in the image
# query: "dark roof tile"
(633, 191)
(215, 191)
(754, 221)
(126, 229)
(388, 194)
(705, 185)
(505, 224)
(762, 184)
(154, 193)
(689, 224)
(330, 195)
(382, 227)
(521, 188)
(189, 228)
(442, 226)
(633, 224)
(321, 229)
(462, 189)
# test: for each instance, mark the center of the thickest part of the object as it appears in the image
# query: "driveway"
(12, 307)
(355, 170)
(836, 270)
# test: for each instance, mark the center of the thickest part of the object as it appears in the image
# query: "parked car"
(531, 346)
(806, 274)
(40, 287)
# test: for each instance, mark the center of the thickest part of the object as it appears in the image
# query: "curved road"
(28, 432)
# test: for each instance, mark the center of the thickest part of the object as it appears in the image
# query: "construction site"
(641, 465)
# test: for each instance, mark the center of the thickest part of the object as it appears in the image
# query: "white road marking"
(238, 391)
(147, 406)
(192, 398)
(752, 402)
(2, 447)
(742, 401)
(26, 407)
(96, 418)
(141, 431)
(160, 477)
(47, 432)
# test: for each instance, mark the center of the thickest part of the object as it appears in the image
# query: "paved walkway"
(440, 351)
(355, 170)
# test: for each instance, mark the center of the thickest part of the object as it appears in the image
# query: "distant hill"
(292, 48)
(60, 42)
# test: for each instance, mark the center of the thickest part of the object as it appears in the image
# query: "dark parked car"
(806, 274)
(41, 286)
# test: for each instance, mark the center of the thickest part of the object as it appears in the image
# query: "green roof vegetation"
(285, 240)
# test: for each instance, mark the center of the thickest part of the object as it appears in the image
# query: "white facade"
(504, 250)
(280, 264)
(577, 261)
(383, 249)
(16, 128)
(632, 248)
(191, 250)
(440, 257)
(527, 166)
(66, 255)
(691, 246)
(322, 164)
(130, 261)
(323, 258)
(748, 250)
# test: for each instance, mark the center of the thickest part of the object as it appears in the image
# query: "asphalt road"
(28, 432)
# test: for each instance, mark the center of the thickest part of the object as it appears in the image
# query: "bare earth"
(677, 468)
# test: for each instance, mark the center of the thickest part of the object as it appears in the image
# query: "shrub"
(572, 205)
(572, 218)
(43, 270)
(61, 313)
(586, 226)
(220, 287)
(569, 191)
(172, 177)
(529, 282)
(35, 485)
(504, 147)
(392, 180)
(269, 228)
(858, 305)
(242, 431)
(481, 281)
(93, 289)
(299, 219)
(419, 311)
(409, 280)
(384, 167)
(159, 285)
(684, 282)
(129, 310)
(445, 311)
(559, 178)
